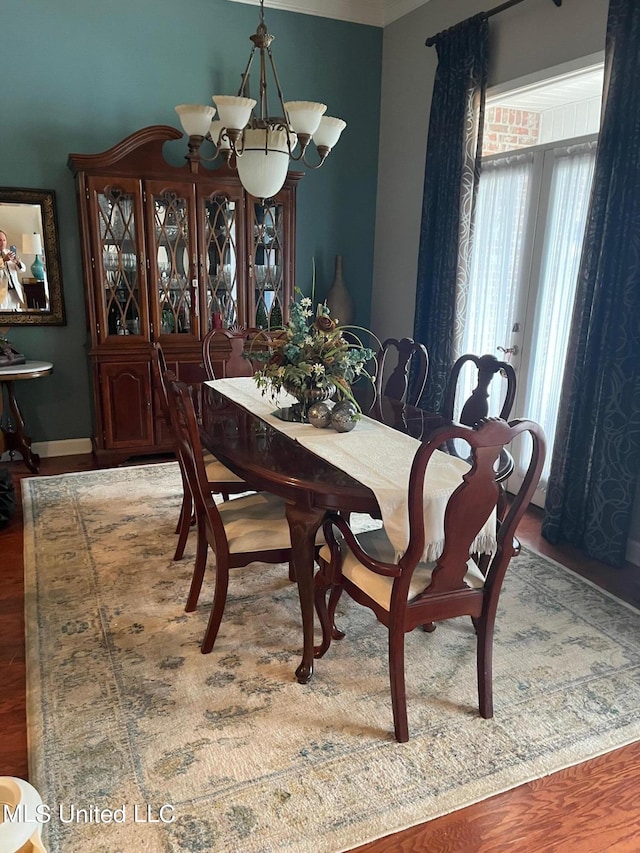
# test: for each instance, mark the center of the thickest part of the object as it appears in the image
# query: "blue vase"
(37, 270)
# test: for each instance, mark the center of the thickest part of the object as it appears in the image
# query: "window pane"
(566, 221)
(496, 264)
(562, 107)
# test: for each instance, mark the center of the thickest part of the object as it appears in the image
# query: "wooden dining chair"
(402, 363)
(248, 529)
(407, 593)
(490, 371)
(230, 351)
(221, 479)
(223, 348)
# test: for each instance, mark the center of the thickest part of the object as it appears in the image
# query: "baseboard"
(66, 447)
(633, 551)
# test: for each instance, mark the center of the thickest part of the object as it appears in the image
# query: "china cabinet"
(168, 253)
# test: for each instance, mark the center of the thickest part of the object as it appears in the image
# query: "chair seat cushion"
(378, 587)
(257, 523)
(217, 472)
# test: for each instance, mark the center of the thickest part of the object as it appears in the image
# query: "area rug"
(138, 742)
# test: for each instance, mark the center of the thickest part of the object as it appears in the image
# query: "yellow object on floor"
(21, 816)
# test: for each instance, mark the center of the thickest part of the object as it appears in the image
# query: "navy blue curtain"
(454, 146)
(596, 461)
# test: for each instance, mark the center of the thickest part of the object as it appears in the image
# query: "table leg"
(15, 437)
(304, 522)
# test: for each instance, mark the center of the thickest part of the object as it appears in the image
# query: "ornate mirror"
(30, 290)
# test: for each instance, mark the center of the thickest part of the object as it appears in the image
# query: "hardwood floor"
(590, 808)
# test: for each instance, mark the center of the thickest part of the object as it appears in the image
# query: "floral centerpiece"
(311, 358)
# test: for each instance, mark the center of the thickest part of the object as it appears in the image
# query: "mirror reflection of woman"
(11, 292)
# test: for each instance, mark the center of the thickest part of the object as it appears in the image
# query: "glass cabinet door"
(222, 276)
(172, 258)
(118, 258)
(267, 264)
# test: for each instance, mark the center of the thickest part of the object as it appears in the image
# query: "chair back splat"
(464, 580)
(160, 371)
(230, 351)
(476, 407)
(185, 426)
(403, 361)
(161, 376)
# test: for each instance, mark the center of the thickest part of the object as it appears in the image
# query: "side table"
(12, 435)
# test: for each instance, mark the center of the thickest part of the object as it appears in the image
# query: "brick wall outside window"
(507, 129)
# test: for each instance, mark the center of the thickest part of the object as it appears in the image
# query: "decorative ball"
(345, 405)
(319, 415)
(343, 417)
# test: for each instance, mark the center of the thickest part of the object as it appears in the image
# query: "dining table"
(242, 429)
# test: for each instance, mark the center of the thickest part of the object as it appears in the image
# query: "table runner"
(379, 457)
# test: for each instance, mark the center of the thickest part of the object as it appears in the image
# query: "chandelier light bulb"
(234, 111)
(262, 167)
(304, 116)
(328, 132)
(195, 119)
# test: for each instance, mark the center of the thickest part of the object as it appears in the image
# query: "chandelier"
(258, 145)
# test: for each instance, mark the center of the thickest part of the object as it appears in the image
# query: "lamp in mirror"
(260, 145)
(32, 245)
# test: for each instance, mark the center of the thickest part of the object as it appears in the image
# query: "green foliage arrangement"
(312, 352)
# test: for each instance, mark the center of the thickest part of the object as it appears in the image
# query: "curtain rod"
(432, 39)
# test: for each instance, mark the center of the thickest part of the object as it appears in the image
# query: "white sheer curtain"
(496, 264)
(512, 215)
(564, 234)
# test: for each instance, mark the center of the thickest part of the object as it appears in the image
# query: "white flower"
(305, 302)
(318, 369)
(280, 372)
(308, 340)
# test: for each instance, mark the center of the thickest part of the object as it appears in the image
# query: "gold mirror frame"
(45, 199)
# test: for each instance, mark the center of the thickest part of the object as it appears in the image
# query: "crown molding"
(394, 9)
(375, 13)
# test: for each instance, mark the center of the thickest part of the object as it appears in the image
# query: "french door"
(530, 222)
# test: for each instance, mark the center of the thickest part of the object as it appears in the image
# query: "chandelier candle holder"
(259, 145)
(32, 245)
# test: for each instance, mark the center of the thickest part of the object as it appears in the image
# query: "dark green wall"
(80, 76)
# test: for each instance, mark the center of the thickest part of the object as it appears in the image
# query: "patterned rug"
(138, 742)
